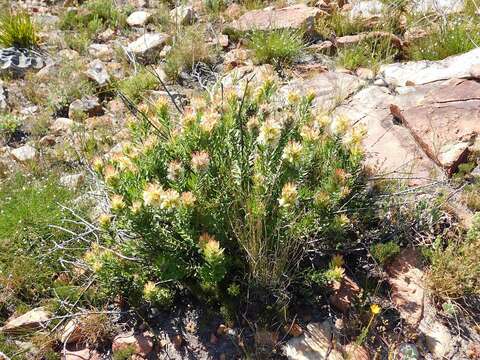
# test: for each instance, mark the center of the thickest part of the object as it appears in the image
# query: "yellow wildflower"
(292, 152)
(169, 199)
(152, 194)
(175, 170)
(200, 161)
(117, 202)
(289, 195)
(97, 164)
(136, 207)
(375, 309)
(337, 261)
(104, 220)
(309, 133)
(188, 199)
(270, 132)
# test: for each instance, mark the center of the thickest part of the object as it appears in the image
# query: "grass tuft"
(17, 30)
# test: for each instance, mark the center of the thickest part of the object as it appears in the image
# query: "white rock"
(62, 125)
(147, 44)
(29, 321)
(366, 9)
(183, 15)
(98, 72)
(423, 72)
(138, 18)
(438, 6)
(24, 153)
(72, 181)
(101, 51)
(3, 97)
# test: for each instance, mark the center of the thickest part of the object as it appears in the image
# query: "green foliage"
(135, 86)
(383, 253)
(188, 48)
(369, 53)
(234, 189)
(455, 270)
(125, 353)
(9, 124)
(278, 47)
(29, 208)
(339, 24)
(17, 30)
(454, 37)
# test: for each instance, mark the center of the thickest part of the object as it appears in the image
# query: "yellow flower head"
(110, 174)
(340, 125)
(136, 207)
(104, 220)
(200, 161)
(175, 170)
(321, 198)
(289, 195)
(198, 103)
(161, 105)
(292, 152)
(188, 199)
(293, 97)
(117, 202)
(375, 309)
(152, 194)
(270, 132)
(149, 289)
(309, 133)
(150, 142)
(209, 121)
(253, 123)
(169, 199)
(97, 164)
(337, 261)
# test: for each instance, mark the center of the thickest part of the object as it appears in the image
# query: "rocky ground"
(422, 120)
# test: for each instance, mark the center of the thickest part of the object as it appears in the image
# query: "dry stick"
(154, 72)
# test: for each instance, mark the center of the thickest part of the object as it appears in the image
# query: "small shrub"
(17, 30)
(453, 37)
(471, 196)
(189, 47)
(134, 86)
(226, 197)
(9, 125)
(383, 253)
(276, 47)
(455, 270)
(339, 24)
(368, 53)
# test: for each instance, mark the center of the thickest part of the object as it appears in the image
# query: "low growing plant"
(276, 47)
(226, 198)
(17, 30)
(383, 253)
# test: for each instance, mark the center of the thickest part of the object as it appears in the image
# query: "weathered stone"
(414, 33)
(316, 343)
(423, 72)
(406, 279)
(84, 354)
(344, 294)
(366, 9)
(88, 105)
(233, 11)
(148, 45)
(24, 153)
(237, 57)
(354, 351)
(73, 182)
(330, 88)
(30, 321)
(365, 73)
(98, 72)
(142, 344)
(62, 125)
(183, 15)
(101, 51)
(106, 35)
(475, 71)
(138, 18)
(297, 16)
(3, 97)
(237, 77)
(446, 122)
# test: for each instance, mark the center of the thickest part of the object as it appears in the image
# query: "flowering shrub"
(227, 196)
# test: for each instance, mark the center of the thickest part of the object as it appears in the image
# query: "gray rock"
(3, 97)
(183, 15)
(101, 51)
(29, 321)
(98, 72)
(148, 45)
(62, 125)
(73, 181)
(366, 9)
(24, 153)
(138, 18)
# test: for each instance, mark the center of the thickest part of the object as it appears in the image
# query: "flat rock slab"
(330, 88)
(29, 321)
(406, 280)
(297, 16)
(390, 149)
(423, 72)
(446, 122)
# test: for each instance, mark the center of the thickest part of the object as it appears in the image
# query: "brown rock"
(446, 122)
(88, 105)
(406, 280)
(297, 16)
(344, 294)
(233, 11)
(414, 33)
(141, 343)
(32, 320)
(294, 329)
(354, 351)
(85, 354)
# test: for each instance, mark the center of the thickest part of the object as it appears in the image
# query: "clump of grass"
(9, 125)
(134, 86)
(471, 196)
(454, 37)
(278, 47)
(369, 53)
(17, 30)
(384, 253)
(455, 270)
(339, 24)
(189, 47)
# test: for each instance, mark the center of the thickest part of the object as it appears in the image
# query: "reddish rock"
(354, 351)
(297, 16)
(141, 343)
(85, 354)
(446, 122)
(344, 294)
(406, 281)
